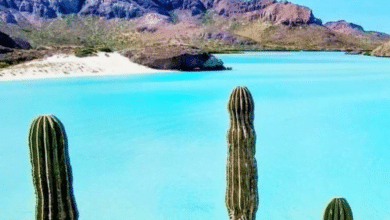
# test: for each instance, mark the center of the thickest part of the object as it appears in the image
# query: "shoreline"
(69, 66)
(62, 65)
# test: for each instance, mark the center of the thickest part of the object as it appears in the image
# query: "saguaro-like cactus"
(338, 209)
(51, 170)
(241, 193)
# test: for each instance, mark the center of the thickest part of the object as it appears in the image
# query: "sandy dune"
(63, 65)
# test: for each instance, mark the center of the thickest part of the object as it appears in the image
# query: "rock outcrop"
(175, 57)
(14, 43)
(345, 27)
(153, 20)
(229, 8)
(7, 16)
(279, 13)
(7, 41)
(112, 9)
(287, 14)
(382, 51)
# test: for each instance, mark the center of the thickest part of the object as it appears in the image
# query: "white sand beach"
(63, 65)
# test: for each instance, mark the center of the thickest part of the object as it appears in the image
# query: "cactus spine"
(338, 209)
(51, 170)
(241, 192)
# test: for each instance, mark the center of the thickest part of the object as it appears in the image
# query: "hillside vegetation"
(209, 32)
(308, 37)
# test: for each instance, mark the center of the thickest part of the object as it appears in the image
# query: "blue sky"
(371, 14)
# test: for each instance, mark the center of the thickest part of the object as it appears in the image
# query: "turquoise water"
(153, 146)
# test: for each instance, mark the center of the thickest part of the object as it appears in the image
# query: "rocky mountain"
(345, 27)
(12, 11)
(213, 24)
(355, 30)
(285, 13)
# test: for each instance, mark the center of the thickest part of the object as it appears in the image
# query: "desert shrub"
(105, 49)
(87, 31)
(3, 64)
(174, 19)
(213, 62)
(85, 52)
(207, 18)
(367, 53)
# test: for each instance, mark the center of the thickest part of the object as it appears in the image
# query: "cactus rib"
(51, 170)
(241, 192)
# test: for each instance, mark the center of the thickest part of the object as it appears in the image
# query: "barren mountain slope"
(383, 50)
(309, 37)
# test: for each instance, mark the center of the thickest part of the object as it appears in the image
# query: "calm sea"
(153, 147)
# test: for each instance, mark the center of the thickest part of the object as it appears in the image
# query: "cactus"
(241, 192)
(338, 209)
(51, 170)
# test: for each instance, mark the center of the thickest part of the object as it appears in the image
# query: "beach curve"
(65, 65)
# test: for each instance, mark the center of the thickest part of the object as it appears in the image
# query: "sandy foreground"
(63, 65)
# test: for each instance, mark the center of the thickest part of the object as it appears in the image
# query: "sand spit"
(63, 65)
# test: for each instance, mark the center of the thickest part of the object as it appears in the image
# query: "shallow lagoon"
(153, 146)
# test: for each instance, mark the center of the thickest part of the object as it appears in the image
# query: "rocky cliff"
(285, 13)
(11, 11)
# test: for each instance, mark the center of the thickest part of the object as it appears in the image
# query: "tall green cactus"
(338, 209)
(241, 192)
(51, 170)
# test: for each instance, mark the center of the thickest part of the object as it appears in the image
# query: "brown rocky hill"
(306, 37)
(354, 30)
(382, 51)
(345, 27)
(285, 13)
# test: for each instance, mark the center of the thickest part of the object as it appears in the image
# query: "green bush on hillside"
(105, 49)
(173, 17)
(85, 52)
(207, 18)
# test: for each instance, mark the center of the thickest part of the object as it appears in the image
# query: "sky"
(370, 14)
